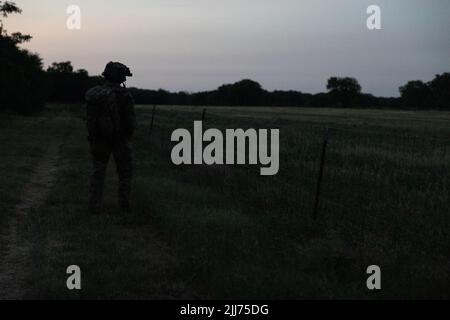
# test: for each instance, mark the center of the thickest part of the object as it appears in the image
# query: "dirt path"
(16, 262)
(24, 244)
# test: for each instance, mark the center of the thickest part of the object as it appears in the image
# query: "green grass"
(227, 232)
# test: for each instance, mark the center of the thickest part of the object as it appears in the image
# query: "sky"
(196, 45)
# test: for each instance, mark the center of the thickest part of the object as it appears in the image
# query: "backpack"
(103, 106)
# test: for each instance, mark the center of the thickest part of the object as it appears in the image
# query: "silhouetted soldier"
(111, 123)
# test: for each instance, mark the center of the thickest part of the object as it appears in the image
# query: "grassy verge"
(226, 232)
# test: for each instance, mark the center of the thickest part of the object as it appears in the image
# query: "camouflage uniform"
(111, 123)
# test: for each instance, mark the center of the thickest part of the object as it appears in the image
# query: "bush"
(22, 79)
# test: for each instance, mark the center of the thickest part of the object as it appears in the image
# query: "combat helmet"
(116, 72)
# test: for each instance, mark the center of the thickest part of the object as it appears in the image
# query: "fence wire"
(365, 170)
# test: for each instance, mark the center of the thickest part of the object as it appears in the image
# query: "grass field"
(225, 231)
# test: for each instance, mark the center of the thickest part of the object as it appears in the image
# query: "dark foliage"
(440, 88)
(21, 75)
(250, 93)
(416, 94)
(343, 91)
(432, 95)
(66, 85)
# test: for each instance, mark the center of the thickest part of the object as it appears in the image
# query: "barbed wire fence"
(308, 183)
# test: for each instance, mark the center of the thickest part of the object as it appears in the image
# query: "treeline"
(64, 84)
(22, 79)
(432, 95)
(26, 87)
(342, 93)
(250, 93)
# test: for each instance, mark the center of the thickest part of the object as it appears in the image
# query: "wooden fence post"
(204, 115)
(152, 122)
(321, 170)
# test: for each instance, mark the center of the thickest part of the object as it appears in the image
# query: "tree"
(65, 85)
(6, 8)
(60, 67)
(416, 94)
(243, 93)
(440, 87)
(21, 73)
(343, 91)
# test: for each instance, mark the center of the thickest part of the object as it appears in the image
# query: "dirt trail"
(16, 263)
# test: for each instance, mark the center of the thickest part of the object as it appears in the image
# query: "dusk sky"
(195, 45)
